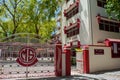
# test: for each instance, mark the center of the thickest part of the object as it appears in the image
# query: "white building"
(94, 25)
(85, 22)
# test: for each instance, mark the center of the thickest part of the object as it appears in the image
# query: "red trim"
(86, 60)
(99, 45)
(108, 41)
(99, 17)
(76, 24)
(76, 4)
(79, 44)
(64, 13)
(65, 30)
(68, 60)
(58, 59)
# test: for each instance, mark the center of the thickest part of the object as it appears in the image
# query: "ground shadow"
(75, 77)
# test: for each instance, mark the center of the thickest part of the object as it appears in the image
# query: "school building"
(93, 38)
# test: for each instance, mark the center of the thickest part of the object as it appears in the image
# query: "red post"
(58, 59)
(67, 53)
(86, 60)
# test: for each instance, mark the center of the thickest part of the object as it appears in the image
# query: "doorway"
(73, 61)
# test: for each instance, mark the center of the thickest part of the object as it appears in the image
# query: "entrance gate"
(18, 52)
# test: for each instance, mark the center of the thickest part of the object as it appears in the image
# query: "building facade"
(85, 23)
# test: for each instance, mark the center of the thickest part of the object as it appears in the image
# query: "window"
(72, 13)
(67, 0)
(115, 50)
(72, 10)
(101, 3)
(73, 31)
(109, 26)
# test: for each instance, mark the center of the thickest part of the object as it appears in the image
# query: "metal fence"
(9, 52)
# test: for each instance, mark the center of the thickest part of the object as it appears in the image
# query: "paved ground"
(104, 75)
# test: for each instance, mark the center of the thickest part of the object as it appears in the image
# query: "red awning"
(112, 40)
(71, 7)
(108, 41)
(99, 17)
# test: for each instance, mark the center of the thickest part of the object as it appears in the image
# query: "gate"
(24, 56)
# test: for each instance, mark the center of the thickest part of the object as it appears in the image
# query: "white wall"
(102, 62)
(99, 35)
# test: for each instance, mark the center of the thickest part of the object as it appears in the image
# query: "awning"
(99, 17)
(109, 40)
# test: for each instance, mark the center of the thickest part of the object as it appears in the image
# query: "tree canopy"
(28, 16)
(113, 7)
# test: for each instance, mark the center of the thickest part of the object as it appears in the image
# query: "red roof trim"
(77, 23)
(112, 40)
(71, 7)
(99, 17)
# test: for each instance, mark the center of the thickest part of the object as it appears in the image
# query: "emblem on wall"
(27, 56)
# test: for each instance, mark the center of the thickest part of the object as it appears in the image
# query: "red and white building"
(87, 29)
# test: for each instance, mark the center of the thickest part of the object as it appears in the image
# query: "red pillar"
(67, 52)
(86, 60)
(58, 59)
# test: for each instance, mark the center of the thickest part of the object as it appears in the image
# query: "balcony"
(72, 10)
(72, 26)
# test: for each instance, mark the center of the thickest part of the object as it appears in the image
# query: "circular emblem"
(27, 56)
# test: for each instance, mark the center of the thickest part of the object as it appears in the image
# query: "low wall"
(100, 59)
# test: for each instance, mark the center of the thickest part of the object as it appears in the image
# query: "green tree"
(29, 16)
(41, 15)
(113, 7)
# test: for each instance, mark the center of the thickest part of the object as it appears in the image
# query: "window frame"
(72, 32)
(73, 10)
(113, 26)
(115, 55)
(101, 3)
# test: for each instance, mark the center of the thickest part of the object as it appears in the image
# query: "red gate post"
(85, 60)
(58, 59)
(67, 52)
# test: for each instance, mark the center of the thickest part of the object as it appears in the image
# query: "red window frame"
(73, 10)
(115, 55)
(73, 31)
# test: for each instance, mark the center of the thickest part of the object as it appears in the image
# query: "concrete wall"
(99, 35)
(102, 62)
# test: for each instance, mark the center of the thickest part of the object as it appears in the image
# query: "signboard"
(27, 56)
(99, 51)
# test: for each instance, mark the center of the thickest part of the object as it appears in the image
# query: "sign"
(99, 51)
(27, 56)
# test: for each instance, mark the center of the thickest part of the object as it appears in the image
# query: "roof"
(112, 40)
